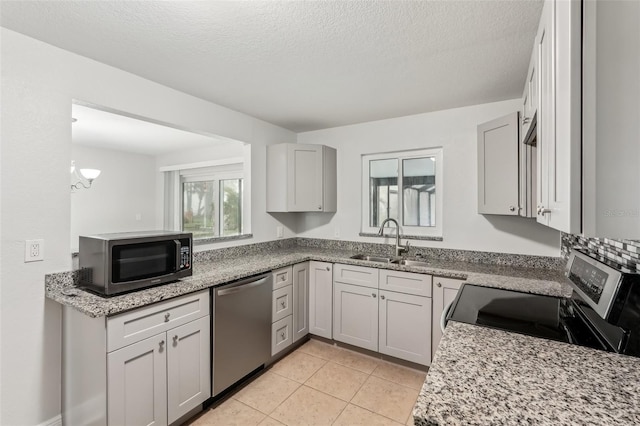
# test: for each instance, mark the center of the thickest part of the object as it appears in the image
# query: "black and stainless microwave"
(111, 264)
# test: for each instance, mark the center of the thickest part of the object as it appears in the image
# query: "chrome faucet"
(399, 249)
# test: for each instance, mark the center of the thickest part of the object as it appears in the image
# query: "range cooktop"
(535, 315)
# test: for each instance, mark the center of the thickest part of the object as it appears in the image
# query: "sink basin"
(374, 258)
(409, 262)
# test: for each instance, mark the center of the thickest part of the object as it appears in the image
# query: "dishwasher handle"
(239, 287)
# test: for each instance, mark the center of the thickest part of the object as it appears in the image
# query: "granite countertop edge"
(215, 273)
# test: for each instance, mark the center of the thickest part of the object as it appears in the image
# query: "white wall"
(124, 189)
(455, 131)
(39, 82)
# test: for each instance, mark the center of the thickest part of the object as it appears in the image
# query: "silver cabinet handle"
(282, 335)
(438, 284)
(544, 211)
(166, 316)
(282, 304)
(175, 339)
(328, 269)
(161, 344)
(373, 295)
(283, 278)
(382, 297)
(319, 207)
(512, 208)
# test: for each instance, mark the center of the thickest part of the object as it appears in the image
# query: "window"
(405, 186)
(206, 201)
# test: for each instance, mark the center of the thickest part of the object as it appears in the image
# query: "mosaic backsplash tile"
(624, 252)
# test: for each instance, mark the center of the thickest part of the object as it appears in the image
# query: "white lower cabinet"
(355, 315)
(405, 326)
(137, 383)
(188, 367)
(158, 380)
(444, 292)
(300, 300)
(148, 366)
(395, 323)
(320, 298)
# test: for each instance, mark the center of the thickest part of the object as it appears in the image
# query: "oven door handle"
(443, 317)
(178, 254)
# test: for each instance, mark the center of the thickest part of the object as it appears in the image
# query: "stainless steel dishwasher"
(241, 329)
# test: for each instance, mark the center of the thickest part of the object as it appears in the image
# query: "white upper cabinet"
(558, 142)
(530, 97)
(611, 119)
(301, 178)
(498, 179)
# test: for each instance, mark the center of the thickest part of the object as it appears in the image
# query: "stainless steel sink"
(409, 262)
(374, 258)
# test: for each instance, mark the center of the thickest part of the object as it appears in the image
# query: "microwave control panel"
(185, 257)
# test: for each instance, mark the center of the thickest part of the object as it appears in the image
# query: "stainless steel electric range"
(603, 312)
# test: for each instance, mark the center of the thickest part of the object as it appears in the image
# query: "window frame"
(216, 176)
(407, 231)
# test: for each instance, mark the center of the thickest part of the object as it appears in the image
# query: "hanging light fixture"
(88, 175)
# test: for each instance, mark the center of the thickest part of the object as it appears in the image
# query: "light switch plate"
(33, 250)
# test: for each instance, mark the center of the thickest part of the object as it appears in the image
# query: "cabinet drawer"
(406, 282)
(281, 334)
(131, 327)
(356, 275)
(282, 277)
(282, 306)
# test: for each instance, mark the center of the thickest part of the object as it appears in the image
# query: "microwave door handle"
(178, 254)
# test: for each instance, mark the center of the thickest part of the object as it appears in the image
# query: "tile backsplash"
(624, 252)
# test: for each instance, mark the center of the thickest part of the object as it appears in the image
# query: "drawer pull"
(166, 316)
(439, 284)
(175, 339)
(282, 304)
(382, 297)
(373, 295)
(161, 344)
(328, 269)
(282, 335)
(283, 278)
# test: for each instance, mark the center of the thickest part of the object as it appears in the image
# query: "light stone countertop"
(483, 376)
(218, 272)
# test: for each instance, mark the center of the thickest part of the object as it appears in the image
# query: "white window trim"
(431, 231)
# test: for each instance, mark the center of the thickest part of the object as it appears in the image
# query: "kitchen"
(39, 84)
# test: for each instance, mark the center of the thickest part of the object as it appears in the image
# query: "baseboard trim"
(54, 421)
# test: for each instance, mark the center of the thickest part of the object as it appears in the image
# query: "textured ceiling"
(303, 65)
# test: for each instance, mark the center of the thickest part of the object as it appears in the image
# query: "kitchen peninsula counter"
(483, 376)
(60, 287)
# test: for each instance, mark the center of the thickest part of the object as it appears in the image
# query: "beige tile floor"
(321, 384)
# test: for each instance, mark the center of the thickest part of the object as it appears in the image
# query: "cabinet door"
(405, 326)
(559, 138)
(188, 367)
(355, 315)
(304, 181)
(444, 291)
(137, 383)
(498, 181)
(320, 298)
(300, 300)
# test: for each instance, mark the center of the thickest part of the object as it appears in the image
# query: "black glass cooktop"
(535, 315)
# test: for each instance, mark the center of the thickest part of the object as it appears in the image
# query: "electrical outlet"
(336, 232)
(33, 250)
(279, 231)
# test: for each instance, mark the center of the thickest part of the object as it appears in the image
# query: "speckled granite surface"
(211, 269)
(482, 376)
